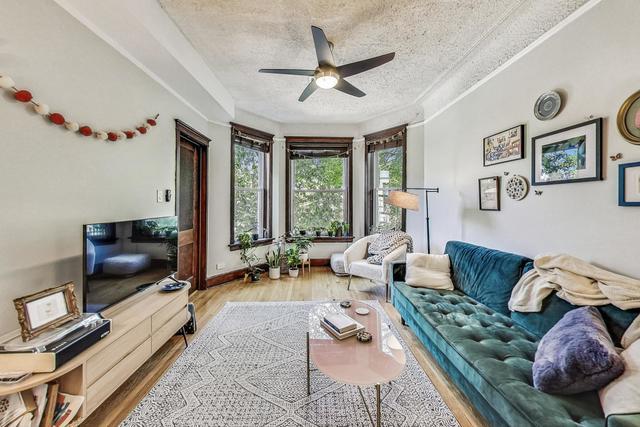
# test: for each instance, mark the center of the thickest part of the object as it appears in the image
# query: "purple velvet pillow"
(576, 355)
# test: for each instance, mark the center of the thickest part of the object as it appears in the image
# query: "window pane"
(389, 168)
(246, 212)
(247, 167)
(317, 209)
(319, 174)
(387, 217)
(388, 174)
(249, 190)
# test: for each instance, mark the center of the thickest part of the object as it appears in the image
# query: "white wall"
(52, 181)
(595, 61)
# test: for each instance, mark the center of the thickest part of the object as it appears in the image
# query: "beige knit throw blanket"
(579, 283)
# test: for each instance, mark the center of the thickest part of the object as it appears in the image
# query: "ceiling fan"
(327, 75)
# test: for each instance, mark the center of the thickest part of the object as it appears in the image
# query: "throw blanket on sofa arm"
(386, 243)
(579, 283)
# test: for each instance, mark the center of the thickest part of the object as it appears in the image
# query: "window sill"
(235, 246)
(327, 239)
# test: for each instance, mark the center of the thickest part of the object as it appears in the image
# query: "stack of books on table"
(340, 325)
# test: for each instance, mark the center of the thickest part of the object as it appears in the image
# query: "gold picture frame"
(630, 107)
(46, 309)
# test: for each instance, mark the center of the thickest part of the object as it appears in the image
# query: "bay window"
(319, 179)
(385, 168)
(251, 181)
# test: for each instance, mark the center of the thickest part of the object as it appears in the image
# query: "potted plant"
(248, 256)
(273, 260)
(345, 228)
(337, 228)
(303, 244)
(303, 232)
(318, 231)
(293, 260)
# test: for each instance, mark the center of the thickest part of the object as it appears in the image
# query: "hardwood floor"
(320, 285)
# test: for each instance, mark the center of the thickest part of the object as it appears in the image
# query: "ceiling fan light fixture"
(326, 79)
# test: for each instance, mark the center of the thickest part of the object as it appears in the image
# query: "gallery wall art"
(629, 184)
(504, 146)
(489, 193)
(572, 154)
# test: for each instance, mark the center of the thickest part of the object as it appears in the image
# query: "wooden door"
(188, 213)
(192, 205)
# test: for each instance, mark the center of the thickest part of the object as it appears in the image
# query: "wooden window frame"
(320, 141)
(267, 217)
(369, 152)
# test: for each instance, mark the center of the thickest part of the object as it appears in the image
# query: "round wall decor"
(547, 106)
(629, 119)
(517, 187)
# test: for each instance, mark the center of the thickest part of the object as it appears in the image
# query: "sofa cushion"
(429, 271)
(362, 268)
(576, 355)
(486, 275)
(494, 354)
(553, 308)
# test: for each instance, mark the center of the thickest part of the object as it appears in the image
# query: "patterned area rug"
(248, 368)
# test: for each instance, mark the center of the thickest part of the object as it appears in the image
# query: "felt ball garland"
(56, 118)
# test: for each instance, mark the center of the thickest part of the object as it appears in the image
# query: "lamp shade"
(403, 200)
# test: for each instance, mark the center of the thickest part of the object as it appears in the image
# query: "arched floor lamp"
(404, 200)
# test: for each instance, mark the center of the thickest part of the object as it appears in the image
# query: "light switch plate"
(160, 196)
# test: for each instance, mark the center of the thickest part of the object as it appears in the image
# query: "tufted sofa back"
(486, 275)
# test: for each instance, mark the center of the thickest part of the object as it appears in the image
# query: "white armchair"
(355, 262)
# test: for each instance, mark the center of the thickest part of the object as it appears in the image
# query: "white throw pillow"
(622, 395)
(429, 271)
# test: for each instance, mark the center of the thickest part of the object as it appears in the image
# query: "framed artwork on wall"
(505, 146)
(629, 184)
(489, 193)
(629, 119)
(572, 154)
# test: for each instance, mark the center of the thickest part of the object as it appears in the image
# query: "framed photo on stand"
(572, 154)
(489, 193)
(46, 309)
(629, 184)
(505, 146)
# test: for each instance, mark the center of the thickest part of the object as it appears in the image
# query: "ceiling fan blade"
(348, 88)
(311, 87)
(364, 65)
(290, 71)
(323, 50)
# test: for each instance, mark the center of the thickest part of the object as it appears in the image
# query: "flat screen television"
(122, 258)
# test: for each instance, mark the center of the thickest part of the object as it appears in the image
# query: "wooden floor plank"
(320, 285)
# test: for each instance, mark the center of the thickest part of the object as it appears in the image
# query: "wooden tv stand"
(140, 325)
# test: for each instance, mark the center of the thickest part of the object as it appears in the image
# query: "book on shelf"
(340, 322)
(16, 410)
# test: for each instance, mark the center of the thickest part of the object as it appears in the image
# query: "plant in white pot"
(273, 260)
(293, 260)
(303, 244)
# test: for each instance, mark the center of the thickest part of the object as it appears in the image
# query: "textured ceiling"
(435, 41)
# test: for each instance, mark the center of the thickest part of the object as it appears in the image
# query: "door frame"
(201, 143)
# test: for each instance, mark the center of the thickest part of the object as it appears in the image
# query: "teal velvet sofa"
(486, 350)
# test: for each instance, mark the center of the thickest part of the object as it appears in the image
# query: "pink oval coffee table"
(349, 361)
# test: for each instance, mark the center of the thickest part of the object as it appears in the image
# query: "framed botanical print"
(629, 184)
(489, 193)
(572, 154)
(505, 146)
(43, 310)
